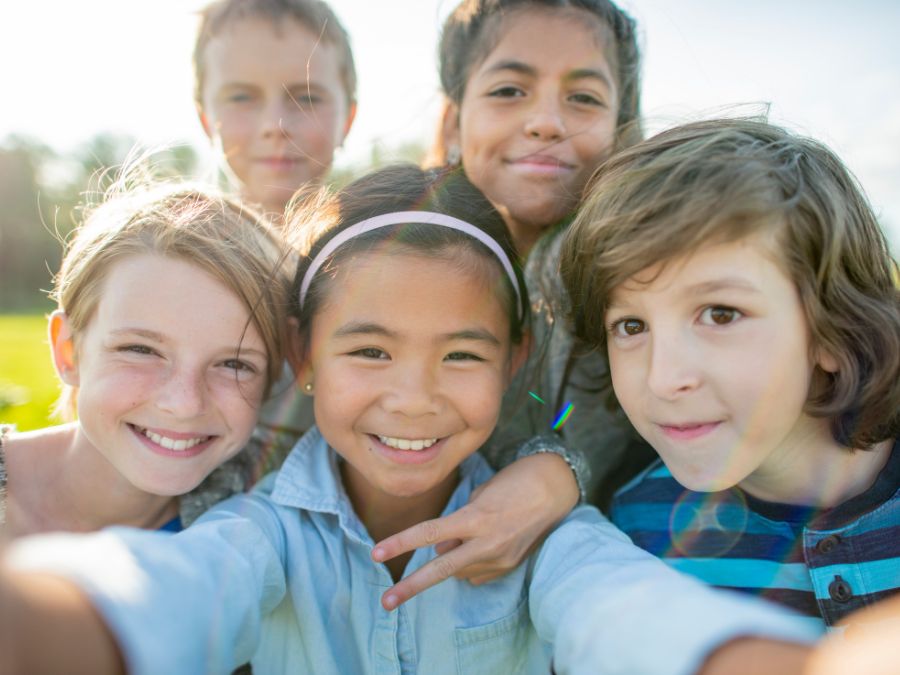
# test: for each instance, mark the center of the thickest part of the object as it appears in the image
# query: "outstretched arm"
(607, 606)
(48, 625)
(493, 533)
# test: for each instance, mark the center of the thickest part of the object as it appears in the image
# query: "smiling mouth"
(174, 444)
(407, 443)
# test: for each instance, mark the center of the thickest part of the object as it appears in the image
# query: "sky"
(827, 68)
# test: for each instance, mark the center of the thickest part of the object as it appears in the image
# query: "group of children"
(556, 301)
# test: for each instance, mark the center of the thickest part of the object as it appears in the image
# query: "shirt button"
(828, 544)
(840, 590)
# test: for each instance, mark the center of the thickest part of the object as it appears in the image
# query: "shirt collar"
(310, 480)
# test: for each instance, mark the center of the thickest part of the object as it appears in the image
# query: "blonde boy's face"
(409, 358)
(712, 362)
(274, 106)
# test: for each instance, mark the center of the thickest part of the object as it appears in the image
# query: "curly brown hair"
(722, 180)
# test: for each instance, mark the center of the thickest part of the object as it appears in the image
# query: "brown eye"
(719, 316)
(628, 327)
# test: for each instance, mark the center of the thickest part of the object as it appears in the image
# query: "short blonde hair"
(316, 15)
(196, 224)
(722, 180)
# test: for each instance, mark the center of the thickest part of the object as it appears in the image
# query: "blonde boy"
(275, 89)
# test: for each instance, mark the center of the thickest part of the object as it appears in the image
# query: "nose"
(276, 117)
(545, 121)
(674, 369)
(183, 394)
(413, 392)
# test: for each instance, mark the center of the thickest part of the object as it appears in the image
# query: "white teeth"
(408, 444)
(172, 444)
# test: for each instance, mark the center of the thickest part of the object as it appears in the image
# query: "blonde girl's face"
(409, 356)
(170, 372)
(537, 116)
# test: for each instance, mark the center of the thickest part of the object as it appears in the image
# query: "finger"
(434, 572)
(447, 546)
(427, 533)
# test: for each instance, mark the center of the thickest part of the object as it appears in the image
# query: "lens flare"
(563, 417)
(707, 525)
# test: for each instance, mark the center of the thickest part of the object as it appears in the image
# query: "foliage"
(28, 385)
(41, 191)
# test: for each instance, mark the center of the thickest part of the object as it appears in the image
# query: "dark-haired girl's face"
(409, 357)
(537, 116)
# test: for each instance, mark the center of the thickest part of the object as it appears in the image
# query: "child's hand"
(867, 645)
(504, 520)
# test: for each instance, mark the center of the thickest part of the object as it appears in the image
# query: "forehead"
(555, 38)
(181, 293)
(750, 262)
(251, 49)
(393, 281)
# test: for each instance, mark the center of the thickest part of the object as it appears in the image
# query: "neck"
(814, 470)
(384, 514)
(524, 235)
(72, 487)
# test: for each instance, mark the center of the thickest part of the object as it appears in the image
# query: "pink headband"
(406, 217)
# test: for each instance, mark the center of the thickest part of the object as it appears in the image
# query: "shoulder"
(647, 498)
(29, 450)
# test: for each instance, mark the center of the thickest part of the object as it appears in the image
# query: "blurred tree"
(27, 241)
(43, 196)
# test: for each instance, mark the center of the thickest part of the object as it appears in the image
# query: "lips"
(419, 450)
(689, 430)
(279, 163)
(172, 443)
(414, 444)
(541, 165)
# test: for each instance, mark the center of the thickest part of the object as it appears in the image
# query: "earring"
(308, 387)
(454, 156)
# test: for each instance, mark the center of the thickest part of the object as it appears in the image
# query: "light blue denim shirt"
(283, 575)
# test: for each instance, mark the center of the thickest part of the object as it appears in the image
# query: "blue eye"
(136, 349)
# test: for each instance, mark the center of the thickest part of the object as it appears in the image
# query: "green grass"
(28, 384)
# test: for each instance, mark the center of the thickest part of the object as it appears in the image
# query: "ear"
(296, 354)
(62, 348)
(348, 123)
(826, 360)
(450, 135)
(204, 122)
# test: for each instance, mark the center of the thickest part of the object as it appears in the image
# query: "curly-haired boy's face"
(711, 359)
(274, 106)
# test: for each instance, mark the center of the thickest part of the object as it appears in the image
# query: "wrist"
(553, 445)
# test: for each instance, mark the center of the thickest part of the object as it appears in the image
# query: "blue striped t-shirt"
(822, 563)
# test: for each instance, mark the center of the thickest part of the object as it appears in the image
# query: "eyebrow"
(367, 328)
(726, 283)
(159, 337)
(531, 71)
